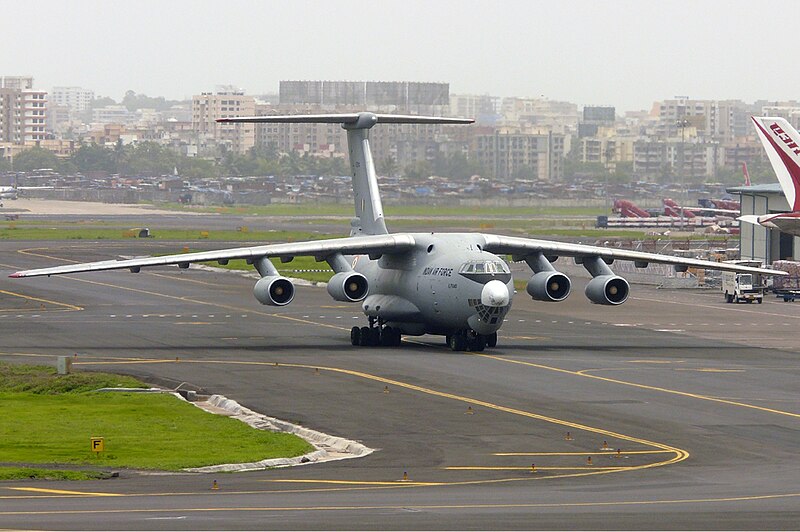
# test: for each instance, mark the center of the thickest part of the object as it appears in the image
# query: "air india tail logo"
(781, 134)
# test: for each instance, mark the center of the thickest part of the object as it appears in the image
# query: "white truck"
(743, 286)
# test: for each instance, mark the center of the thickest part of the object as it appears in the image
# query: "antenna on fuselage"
(369, 210)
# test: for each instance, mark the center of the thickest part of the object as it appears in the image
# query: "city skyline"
(618, 53)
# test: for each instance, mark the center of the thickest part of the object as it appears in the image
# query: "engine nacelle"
(348, 287)
(549, 286)
(608, 290)
(274, 290)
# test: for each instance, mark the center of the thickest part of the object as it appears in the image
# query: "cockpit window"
(484, 266)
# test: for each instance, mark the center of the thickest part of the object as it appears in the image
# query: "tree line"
(152, 159)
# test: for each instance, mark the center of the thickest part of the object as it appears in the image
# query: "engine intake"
(274, 290)
(348, 287)
(549, 286)
(608, 290)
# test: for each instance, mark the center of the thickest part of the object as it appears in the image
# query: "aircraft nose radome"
(495, 294)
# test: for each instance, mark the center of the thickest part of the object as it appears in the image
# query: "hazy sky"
(622, 53)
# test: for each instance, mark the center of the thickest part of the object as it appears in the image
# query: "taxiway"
(699, 397)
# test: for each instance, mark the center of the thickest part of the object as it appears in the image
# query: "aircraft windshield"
(484, 266)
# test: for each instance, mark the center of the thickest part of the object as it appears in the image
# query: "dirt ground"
(41, 206)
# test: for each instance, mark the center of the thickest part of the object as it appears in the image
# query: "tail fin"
(746, 174)
(782, 144)
(369, 211)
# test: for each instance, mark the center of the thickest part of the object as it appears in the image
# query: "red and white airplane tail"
(782, 143)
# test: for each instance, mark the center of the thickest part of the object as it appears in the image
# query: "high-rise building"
(23, 110)
(405, 96)
(10, 116)
(76, 99)
(712, 119)
(226, 102)
(19, 83)
(510, 154)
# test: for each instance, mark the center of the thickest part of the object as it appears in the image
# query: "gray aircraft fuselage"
(437, 288)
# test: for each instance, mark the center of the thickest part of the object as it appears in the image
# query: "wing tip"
(16, 275)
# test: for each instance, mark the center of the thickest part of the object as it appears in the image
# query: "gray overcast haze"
(621, 53)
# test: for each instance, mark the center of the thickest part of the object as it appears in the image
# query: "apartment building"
(655, 158)
(718, 120)
(226, 102)
(76, 99)
(483, 108)
(556, 116)
(23, 110)
(10, 116)
(509, 154)
(385, 96)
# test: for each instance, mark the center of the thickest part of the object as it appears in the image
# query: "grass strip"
(140, 431)
(52, 421)
(346, 209)
(35, 473)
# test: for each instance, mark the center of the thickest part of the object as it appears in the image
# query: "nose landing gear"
(378, 333)
(469, 340)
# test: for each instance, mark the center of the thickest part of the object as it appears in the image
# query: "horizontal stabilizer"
(349, 120)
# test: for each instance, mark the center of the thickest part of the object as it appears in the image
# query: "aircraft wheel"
(478, 343)
(374, 337)
(491, 340)
(458, 342)
(387, 337)
(355, 336)
(759, 300)
(363, 338)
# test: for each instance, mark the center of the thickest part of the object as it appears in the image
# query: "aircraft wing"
(786, 222)
(358, 245)
(516, 246)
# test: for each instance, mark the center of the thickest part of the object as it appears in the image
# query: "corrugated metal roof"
(771, 188)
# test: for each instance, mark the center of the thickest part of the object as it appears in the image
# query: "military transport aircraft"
(782, 144)
(451, 284)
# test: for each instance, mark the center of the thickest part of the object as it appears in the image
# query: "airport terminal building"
(763, 243)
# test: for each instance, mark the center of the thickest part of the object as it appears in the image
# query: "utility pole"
(682, 124)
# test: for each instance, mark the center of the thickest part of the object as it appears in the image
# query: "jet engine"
(348, 287)
(274, 290)
(549, 286)
(607, 290)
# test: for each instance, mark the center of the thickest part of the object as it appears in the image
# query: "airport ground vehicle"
(787, 287)
(739, 287)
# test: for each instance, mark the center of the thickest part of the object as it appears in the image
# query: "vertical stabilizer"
(782, 144)
(369, 211)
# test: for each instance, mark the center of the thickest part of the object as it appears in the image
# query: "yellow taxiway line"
(584, 374)
(68, 492)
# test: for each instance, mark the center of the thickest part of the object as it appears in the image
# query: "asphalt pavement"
(672, 411)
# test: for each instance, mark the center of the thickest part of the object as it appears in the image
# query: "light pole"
(682, 124)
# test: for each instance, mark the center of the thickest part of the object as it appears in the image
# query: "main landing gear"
(378, 333)
(469, 340)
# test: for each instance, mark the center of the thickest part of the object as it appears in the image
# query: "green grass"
(298, 268)
(141, 431)
(346, 209)
(10, 232)
(49, 419)
(43, 380)
(35, 473)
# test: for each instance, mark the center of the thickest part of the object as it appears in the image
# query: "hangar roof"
(771, 188)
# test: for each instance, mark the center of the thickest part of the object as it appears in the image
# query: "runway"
(687, 406)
